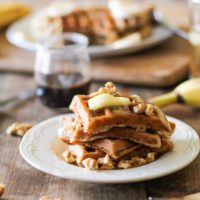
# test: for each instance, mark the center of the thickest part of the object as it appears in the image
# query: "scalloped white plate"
(19, 34)
(41, 148)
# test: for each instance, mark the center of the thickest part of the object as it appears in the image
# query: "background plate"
(41, 148)
(19, 34)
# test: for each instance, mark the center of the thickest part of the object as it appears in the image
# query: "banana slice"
(107, 100)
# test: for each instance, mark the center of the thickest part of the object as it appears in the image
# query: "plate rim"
(71, 177)
(94, 51)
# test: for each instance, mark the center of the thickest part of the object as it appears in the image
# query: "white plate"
(41, 148)
(19, 34)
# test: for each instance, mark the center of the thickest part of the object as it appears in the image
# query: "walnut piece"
(46, 197)
(141, 129)
(149, 110)
(136, 99)
(106, 163)
(2, 189)
(134, 162)
(18, 129)
(90, 163)
(109, 88)
(69, 157)
(150, 157)
(140, 108)
(124, 164)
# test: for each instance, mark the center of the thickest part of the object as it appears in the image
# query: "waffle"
(105, 119)
(116, 149)
(142, 151)
(119, 151)
(97, 22)
(73, 133)
(82, 152)
(134, 20)
(111, 130)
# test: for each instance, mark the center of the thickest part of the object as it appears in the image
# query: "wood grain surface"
(26, 183)
(166, 64)
(162, 66)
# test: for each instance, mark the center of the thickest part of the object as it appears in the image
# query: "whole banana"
(187, 92)
(11, 11)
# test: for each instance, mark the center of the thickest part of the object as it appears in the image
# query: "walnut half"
(18, 129)
(2, 189)
(69, 158)
(90, 163)
(106, 163)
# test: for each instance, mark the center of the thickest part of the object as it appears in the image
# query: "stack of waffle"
(101, 24)
(111, 130)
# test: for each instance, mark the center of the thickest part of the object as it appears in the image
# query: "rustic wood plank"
(186, 181)
(24, 182)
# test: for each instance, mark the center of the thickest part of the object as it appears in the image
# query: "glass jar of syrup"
(62, 69)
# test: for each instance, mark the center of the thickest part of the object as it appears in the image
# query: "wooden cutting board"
(161, 66)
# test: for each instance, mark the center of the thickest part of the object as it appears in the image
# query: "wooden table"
(26, 183)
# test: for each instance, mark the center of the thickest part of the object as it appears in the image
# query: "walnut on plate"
(90, 163)
(69, 157)
(106, 163)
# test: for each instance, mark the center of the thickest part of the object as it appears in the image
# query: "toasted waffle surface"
(75, 134)
(105, 119)
(96, 22)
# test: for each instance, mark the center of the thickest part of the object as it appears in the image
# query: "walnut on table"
(46, 197)
(18, 129)
(2, 189)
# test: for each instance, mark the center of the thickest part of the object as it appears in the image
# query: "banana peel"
(11, 11)
(187, 92)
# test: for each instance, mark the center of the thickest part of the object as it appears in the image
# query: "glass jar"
(62, 69)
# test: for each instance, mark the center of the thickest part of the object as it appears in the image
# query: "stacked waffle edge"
(118, 136)
(102, 25)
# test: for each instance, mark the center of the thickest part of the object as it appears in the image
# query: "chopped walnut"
(18, 129)
(106, 163)
(134, 162)
(90, 163)
(124, 164)
(150, 157)
(2, 189)
(69, 157)
(141, 129)
(136, 99)
(109, 88)
(47, 198)
(44, 198)
(137, 161)
(149, 110)
(140, 108)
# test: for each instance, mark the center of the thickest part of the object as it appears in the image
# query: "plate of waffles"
(110, 138)
(119, 28)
